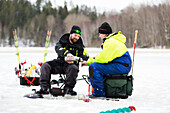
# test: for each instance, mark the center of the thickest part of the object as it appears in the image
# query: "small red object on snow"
(86, 99)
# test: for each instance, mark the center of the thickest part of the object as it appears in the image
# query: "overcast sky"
(105, 5)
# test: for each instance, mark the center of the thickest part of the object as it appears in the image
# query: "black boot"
(42, 92)
(70, 92)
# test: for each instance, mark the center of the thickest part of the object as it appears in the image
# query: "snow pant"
(98, 70)
(71, 71)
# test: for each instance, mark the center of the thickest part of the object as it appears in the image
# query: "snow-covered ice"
(151, 85)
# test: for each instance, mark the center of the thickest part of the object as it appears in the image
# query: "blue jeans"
(100, 70)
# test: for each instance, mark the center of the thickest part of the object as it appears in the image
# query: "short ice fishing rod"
(47, 44)
(134, 46)
(16, 45)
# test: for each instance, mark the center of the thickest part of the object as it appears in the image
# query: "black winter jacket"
(63, 47)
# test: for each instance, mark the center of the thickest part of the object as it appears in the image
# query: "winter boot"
(70, 92)
(42, 92)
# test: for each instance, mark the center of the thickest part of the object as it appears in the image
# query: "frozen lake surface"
(151, 85)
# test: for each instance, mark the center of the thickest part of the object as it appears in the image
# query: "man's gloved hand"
(87, 63)
(84, 63)
(91, 60)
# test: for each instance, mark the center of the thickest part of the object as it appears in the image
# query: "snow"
(151, 85)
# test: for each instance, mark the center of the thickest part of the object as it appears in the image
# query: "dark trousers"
(71, 71)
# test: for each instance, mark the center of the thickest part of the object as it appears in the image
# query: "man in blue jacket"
(113, 59)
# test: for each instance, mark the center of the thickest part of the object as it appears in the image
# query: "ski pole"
(136, 32)
(47, 44)
(16, 45)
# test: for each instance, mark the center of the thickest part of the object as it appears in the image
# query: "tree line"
(33, 20)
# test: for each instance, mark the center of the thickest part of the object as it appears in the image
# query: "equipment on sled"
(30, 75)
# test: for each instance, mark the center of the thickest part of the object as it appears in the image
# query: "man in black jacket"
(69, 45)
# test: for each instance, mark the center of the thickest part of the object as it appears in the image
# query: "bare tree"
(80, 20)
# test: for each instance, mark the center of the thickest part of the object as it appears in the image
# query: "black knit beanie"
(75, 29)
(105, 28)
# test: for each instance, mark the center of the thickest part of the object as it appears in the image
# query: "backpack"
(118, 86)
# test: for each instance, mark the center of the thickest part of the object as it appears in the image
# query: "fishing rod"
(134, 46)
(47, 44)
(16, 45)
